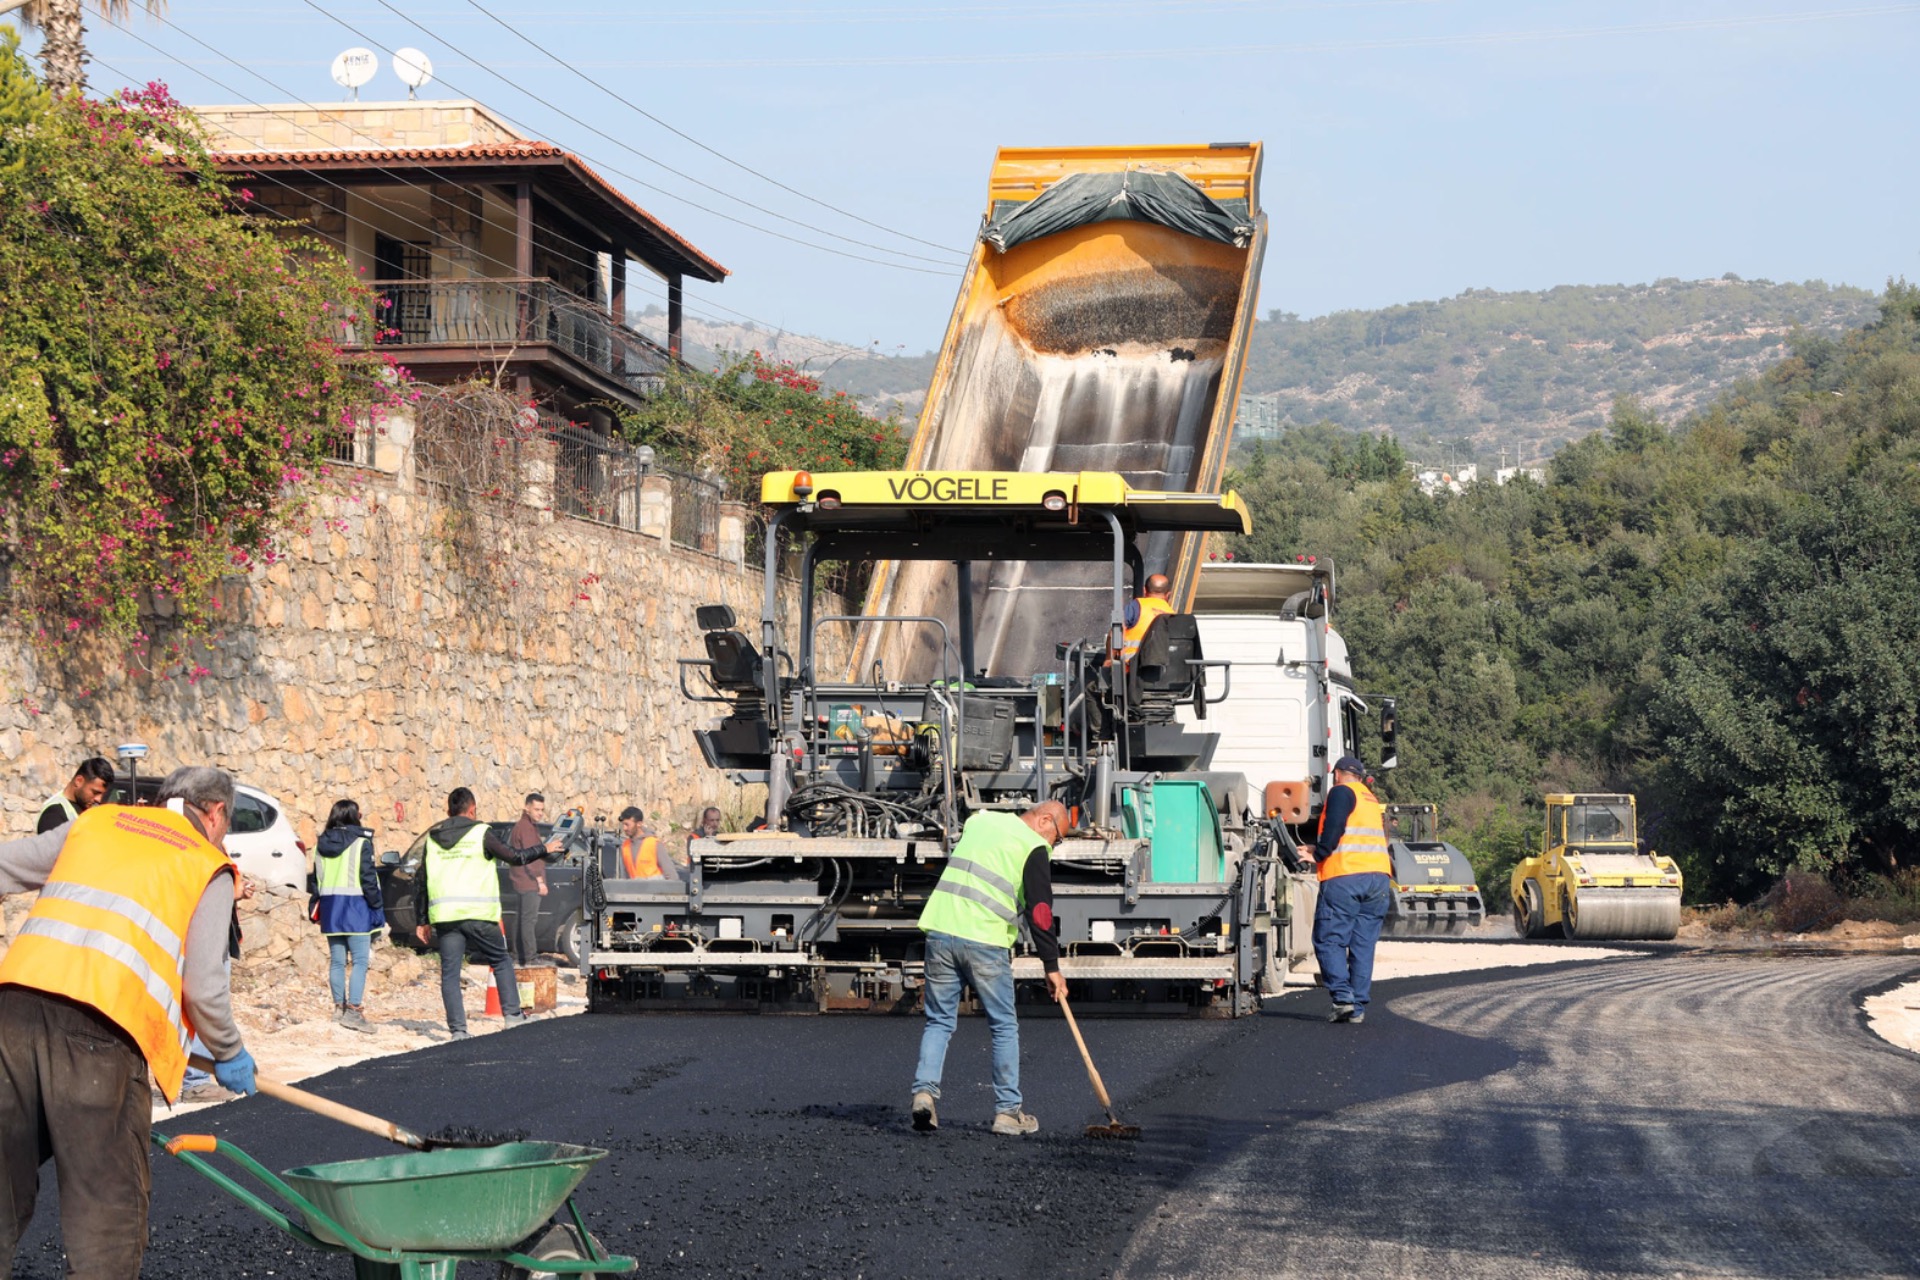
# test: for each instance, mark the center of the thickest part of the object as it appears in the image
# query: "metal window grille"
(696, 509)
(595, 478)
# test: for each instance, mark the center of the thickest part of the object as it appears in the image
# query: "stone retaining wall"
(387, 660)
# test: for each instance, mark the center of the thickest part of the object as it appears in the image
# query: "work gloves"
(235, 1075)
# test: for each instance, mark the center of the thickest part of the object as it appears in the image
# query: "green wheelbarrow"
(419, 1216)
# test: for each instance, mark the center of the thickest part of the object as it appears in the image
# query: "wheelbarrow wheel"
(561, 1243)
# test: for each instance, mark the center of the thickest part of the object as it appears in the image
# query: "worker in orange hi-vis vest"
(121, 962)
(1142, 612)
(1356, 882)
(640, 849)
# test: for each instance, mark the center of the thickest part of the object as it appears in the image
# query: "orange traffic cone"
(493, 997)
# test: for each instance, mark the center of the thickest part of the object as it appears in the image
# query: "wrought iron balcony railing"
(497, 315)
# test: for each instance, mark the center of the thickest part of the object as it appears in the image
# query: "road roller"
(1592, 879)
(1434, 886)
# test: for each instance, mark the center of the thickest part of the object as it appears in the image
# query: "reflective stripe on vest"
(977, 897)
(1363, 845)
(1151, 607)
(642, 863)
(462, 881)
(57, 799)
(109, 927)
(340, 875)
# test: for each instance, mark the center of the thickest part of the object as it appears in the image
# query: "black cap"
(1350, 764)
(632, 811)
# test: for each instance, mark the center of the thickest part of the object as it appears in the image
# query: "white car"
(261, 839)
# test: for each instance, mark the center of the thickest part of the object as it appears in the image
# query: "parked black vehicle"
(561, 928)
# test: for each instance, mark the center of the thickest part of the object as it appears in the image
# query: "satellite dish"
(413, 67)
(354, 68)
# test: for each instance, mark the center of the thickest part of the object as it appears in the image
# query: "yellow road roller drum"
(1592, 879)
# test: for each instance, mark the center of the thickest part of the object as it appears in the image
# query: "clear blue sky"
(1415, 148)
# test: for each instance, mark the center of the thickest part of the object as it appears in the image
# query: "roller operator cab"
(1592, 879)
(1166, 890)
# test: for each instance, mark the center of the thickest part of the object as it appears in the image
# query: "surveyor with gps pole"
(121, 961)
(999, 870)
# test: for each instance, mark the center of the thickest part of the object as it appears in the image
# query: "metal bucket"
(480, 1198)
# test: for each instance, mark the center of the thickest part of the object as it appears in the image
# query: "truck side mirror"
(1389, 732)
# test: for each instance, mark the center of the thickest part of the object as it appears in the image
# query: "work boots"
(925, 1118)
(354, 1018)
(1015, 1124)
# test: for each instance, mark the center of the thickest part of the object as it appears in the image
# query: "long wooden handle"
(1093, 1072)
(332, 1110)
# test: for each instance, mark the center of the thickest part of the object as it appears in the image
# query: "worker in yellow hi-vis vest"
(121, 962)
(1356, 882)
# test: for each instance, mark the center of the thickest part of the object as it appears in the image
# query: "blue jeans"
(1346, 924)
(342, 945)
(952, 962)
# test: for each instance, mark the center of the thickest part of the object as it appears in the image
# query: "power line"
(519, 291)
(590, 263)
(1161, 53)
(678, 133)
(595, 129)
(799, 16)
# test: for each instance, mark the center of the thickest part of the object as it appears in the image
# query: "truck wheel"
(573, 938)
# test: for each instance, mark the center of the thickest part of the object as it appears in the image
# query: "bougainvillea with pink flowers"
(170, 371)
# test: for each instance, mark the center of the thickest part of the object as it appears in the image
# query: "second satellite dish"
(413, 67)
(354, 68)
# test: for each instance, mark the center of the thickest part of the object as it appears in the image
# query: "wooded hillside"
(1719, 614)
(1483, 371)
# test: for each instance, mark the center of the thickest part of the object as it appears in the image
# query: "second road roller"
(1592, 879)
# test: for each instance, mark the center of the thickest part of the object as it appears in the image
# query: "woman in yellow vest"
(1356, 884)
(349, 908)
(121, 961)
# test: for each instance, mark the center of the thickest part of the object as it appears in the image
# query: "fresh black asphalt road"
(1670, 1114)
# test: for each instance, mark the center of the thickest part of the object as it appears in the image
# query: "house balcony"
(445, 329)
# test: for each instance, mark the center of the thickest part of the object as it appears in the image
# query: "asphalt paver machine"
(1170, 895)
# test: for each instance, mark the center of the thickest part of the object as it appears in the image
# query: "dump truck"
(1073, 443)
(1435, 889)
(1592, 879)
(1101, 325)
(1170, 892)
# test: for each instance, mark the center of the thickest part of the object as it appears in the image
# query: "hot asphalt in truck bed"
(1638, 1116)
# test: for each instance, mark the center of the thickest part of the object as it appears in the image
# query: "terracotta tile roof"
(526, 153)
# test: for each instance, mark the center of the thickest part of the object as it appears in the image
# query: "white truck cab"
(1290, 709)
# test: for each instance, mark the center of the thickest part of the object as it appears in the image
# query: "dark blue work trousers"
(1346, 925)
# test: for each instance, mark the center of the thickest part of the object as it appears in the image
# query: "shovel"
(1112, 1128)
(361, 1120)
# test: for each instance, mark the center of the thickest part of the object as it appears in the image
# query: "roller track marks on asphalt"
(1678, 1115)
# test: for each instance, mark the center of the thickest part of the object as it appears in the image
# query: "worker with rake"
(999, 870)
